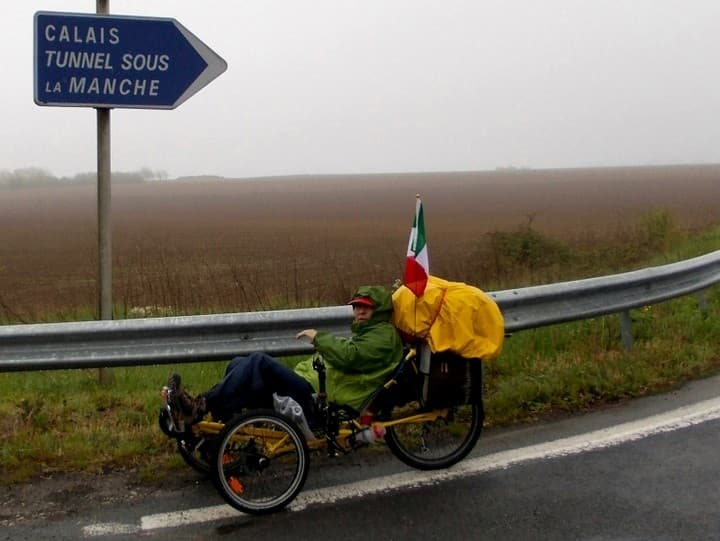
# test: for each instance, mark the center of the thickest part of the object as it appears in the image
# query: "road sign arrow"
(118, 61)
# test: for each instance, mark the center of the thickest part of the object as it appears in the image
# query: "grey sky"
(352, 86)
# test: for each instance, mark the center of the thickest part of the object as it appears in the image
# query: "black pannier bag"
(453, 380)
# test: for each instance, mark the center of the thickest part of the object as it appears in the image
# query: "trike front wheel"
(440, 442)
(261, 463)
(196, 453)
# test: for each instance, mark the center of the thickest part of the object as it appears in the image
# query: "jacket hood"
(382, 297)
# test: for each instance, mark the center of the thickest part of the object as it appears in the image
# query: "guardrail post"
(702, 302)
(626, 330)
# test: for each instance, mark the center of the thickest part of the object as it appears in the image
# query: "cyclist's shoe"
(184, 409)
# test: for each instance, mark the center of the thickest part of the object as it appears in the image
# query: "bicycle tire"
(438, 444)
(194, 456)
(188, 446)
(247, 474)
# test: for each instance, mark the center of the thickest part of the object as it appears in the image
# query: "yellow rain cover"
(451, 316)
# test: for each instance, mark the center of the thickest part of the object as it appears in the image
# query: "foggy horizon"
(347, 87)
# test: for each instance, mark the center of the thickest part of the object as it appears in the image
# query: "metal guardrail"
(582, 299)
(135, 342)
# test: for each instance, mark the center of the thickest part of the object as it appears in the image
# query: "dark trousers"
(250, 382)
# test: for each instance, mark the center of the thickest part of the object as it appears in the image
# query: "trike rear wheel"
(440, 443)
(261, 463)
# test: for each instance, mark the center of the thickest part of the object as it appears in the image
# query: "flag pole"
(424, 347)
(417, 202)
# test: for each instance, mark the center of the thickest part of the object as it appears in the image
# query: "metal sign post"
(104, 213)
(106, 62)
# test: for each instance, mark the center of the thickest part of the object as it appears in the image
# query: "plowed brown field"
(237, 245)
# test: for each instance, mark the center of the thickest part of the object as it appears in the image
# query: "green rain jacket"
(358, 365)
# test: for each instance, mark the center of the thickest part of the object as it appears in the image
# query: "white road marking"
(109, 528)
(665, 422)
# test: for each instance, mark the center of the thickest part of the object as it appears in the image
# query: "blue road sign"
(118, 61)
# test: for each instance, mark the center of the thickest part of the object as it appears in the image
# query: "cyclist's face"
(362, 313)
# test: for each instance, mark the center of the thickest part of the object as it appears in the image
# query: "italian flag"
(417, 266)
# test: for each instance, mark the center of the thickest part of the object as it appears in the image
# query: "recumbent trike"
(258, 459)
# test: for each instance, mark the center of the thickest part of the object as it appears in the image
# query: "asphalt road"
(646, 469)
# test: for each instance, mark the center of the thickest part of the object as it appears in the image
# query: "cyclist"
(356, 366)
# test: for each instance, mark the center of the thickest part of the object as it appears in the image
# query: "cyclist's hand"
(307, 333)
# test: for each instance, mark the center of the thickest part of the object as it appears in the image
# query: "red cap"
(365, 301)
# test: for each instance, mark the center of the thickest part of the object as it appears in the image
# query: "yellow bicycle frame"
(274, 440)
